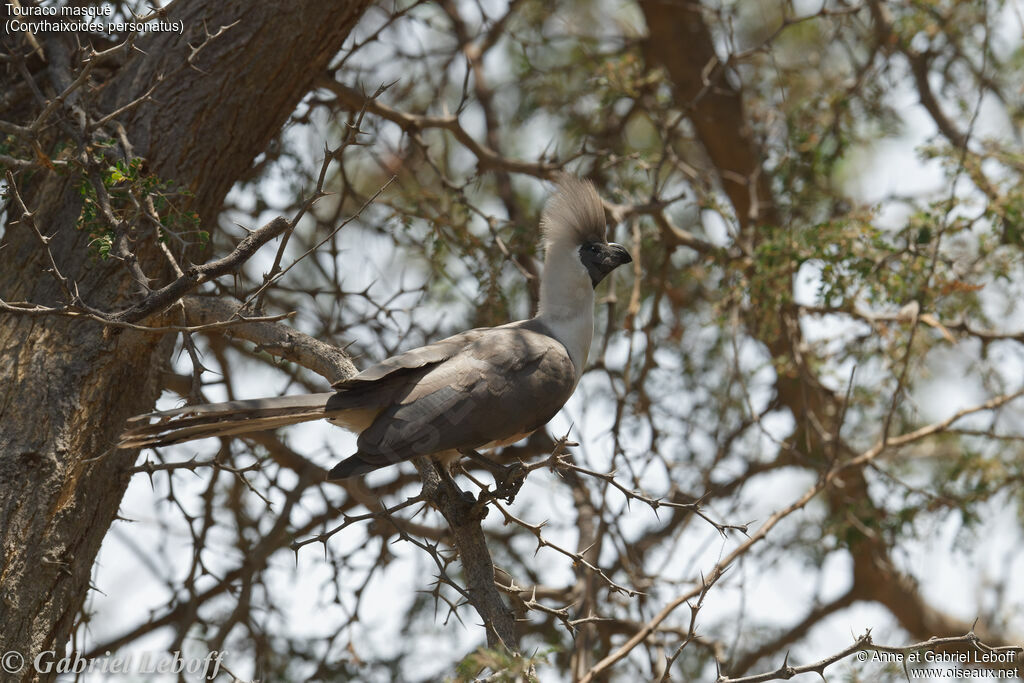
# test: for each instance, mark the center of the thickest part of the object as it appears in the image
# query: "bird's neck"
(567, 308)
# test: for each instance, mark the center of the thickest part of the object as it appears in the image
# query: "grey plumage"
(493, 386)
(482, 388)
(574, 214)
(221, 419)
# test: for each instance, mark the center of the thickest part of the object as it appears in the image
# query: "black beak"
(601, 258)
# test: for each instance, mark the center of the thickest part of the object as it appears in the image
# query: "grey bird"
(480, 389)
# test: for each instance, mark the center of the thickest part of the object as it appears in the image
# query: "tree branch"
(468, 536)
(282, 341)
(486, 157)
(197, 275)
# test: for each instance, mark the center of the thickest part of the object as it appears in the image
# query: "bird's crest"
(574, 215)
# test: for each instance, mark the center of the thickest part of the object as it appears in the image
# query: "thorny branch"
(865, 644)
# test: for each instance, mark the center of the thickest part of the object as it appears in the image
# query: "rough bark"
(327, 361)
(69, 384)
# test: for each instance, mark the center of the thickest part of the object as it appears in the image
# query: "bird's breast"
(507, 441)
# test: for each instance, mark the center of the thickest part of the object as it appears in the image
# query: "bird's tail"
(222, 419)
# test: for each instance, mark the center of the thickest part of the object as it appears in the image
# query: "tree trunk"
(68, 384)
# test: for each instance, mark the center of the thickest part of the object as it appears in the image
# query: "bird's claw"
(473, 509)
(507, 486)
(466, 507)
(508, 479)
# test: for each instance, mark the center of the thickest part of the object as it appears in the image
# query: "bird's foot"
(511, 480)
(508, 479)
(469, 508)
(506, 486)
(464, 505)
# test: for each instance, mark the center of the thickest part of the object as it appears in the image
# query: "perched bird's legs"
(508, 479)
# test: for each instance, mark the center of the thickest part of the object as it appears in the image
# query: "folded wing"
(498, 384)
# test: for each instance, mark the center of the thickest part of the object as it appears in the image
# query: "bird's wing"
(506, 381)
(413, 359)
(380, 385)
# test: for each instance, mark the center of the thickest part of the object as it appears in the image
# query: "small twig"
(348, 520)
(862, 644)
(269, 281)
(27, 308)
(197, 275)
